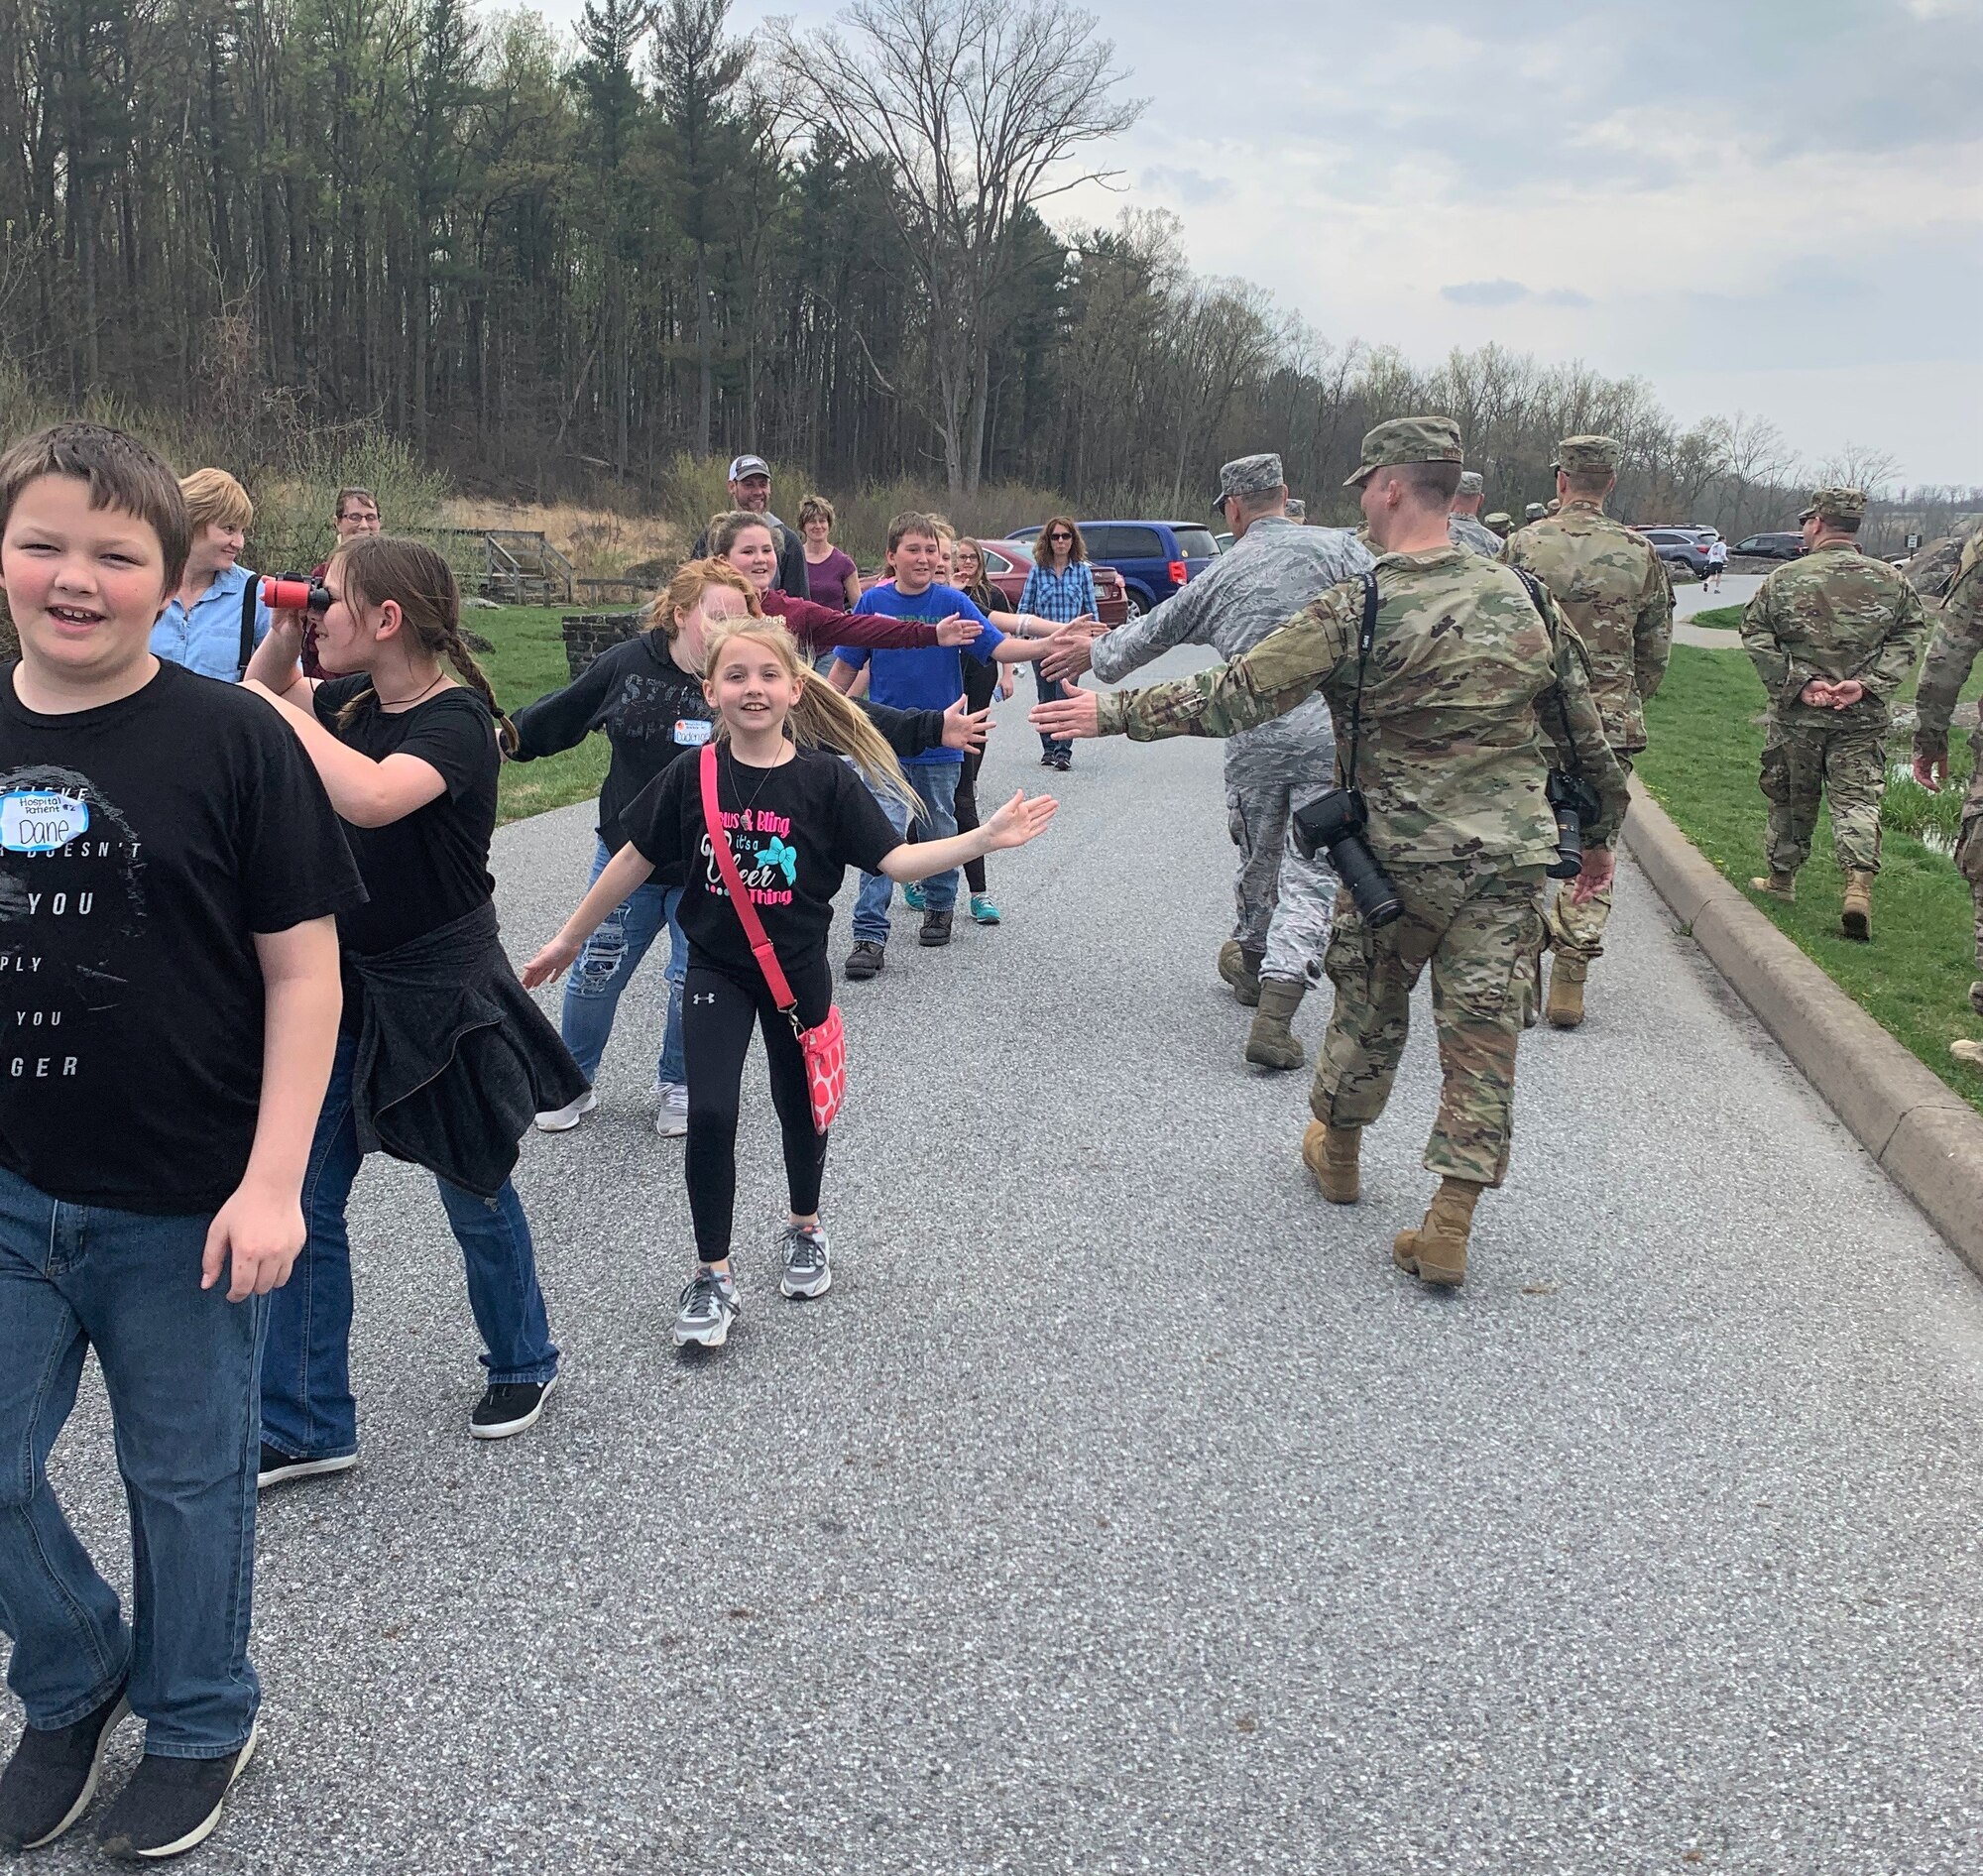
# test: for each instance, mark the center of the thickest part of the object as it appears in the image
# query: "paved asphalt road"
(1122, 1509)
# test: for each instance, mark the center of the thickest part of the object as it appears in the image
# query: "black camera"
(1334, 823)
(1577, 805)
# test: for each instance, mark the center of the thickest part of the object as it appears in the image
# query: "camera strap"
(1534, 588)
(248, 626)
(1365, 638)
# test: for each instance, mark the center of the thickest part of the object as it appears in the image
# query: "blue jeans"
(1051, 690)
(308, 1410)
(178, 1364)
(602, 971)
(935, 784)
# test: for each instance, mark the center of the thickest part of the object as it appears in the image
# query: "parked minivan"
(1154, 558)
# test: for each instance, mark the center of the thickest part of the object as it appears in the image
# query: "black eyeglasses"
(1060, 536)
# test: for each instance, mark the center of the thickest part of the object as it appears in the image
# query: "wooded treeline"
(550, 266)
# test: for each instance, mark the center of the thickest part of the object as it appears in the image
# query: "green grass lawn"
(1717, 618)
(1913, 978)
(528, 660)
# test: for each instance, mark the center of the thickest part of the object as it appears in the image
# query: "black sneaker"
(936, 928)
(170, 1805)
(278, 1468)
(507, 1407)
(1046, 759)
(865, 960)
(52, 1776)
(1063, 759)
(805, 1251)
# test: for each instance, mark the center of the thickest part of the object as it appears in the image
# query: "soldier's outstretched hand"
(1069, 717)
(1599, 864)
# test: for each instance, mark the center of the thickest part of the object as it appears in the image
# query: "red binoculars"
(296, 596)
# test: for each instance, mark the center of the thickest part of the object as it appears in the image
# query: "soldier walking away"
(1957, 639)
(1832, 636)
(1614, 586)
(1435, 682)
(1499, 524)
(1283, 897)
(1464, 525)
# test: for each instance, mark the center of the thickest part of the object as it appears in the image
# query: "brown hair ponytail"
(378, 567)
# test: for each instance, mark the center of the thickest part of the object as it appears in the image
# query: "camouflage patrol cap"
(1534, 512)
(1408, 439)
(1500, 521)
(1589, 456)
(1551, 505)
(1837, 505)
(1297, 508)
(1249, 475)
(1472, 482)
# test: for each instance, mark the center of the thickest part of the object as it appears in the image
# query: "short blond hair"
(213, 496)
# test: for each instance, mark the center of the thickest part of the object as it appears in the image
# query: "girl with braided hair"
(443, 1058)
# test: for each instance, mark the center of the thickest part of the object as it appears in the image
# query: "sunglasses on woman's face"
(1060, 536)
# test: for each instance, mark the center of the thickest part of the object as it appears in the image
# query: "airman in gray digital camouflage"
(1533, 513)
(1451, 762)
(1957, 639)
(1462, 524)
(1613, 587)
(1832, 636)
(1283, 897)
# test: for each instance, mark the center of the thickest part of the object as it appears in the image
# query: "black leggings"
(719, 1013)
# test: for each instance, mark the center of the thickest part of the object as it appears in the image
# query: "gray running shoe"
(709, 1305)
(805, 1251)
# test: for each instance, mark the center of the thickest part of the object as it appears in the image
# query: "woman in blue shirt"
(214, 621)
(1060, 587)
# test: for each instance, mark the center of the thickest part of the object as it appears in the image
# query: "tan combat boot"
(1241, 969)
(1779, 885)
(1270, 1043)
(1330, 1155)
(1566, 1003)
(1969, 1054)
(1856, 917)
(1436, 1251)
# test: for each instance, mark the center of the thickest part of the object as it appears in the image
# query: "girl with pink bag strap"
(756, 905)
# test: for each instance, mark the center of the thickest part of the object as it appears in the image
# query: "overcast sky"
(1754, 204)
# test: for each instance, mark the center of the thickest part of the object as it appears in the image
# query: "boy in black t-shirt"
(169, 871)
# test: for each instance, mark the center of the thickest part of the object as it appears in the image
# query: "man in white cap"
(750, 492)
(1464, 525)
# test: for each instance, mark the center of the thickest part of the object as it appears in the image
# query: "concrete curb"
(1927, 1138)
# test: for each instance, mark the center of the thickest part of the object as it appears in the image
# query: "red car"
(1006, 564)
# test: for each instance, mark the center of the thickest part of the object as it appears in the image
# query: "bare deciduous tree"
(981, 110)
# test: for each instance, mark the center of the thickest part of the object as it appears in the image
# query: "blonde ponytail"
(821, 718)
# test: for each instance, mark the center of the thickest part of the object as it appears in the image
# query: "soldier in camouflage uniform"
(1832, 636)
(1613, 587)
(1451, 764)
(1272, 569)
(1462, 524)
(1500, 524)
(1957, 639)
(1533, 513)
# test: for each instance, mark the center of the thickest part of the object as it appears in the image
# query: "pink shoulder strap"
(725, 861)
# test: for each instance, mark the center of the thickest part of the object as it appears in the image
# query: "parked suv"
(1683, 546)
(1154, 558)
(1771, 546)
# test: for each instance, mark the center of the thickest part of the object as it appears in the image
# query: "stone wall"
(586, 634)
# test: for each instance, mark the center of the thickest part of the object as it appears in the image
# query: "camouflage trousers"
(1576, 931)
(1284, 903)
(1969, 863)
(1839, 754)
(1476, 923)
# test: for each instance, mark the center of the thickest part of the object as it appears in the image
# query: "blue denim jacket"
(207, 640)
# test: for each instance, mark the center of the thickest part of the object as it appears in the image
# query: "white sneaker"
(563, 1119)
(671, 1118)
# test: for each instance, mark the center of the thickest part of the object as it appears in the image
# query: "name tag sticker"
(692, 732)
(41, 822)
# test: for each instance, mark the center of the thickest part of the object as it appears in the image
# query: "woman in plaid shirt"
(1060, 588)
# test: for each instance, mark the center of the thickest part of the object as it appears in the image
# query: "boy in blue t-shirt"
(925, 677)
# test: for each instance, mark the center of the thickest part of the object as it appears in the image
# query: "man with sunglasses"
(1285, 902)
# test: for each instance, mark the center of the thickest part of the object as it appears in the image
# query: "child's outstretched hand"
(1019, 820)
(555, 958)
(957, 630)
(966, 729)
